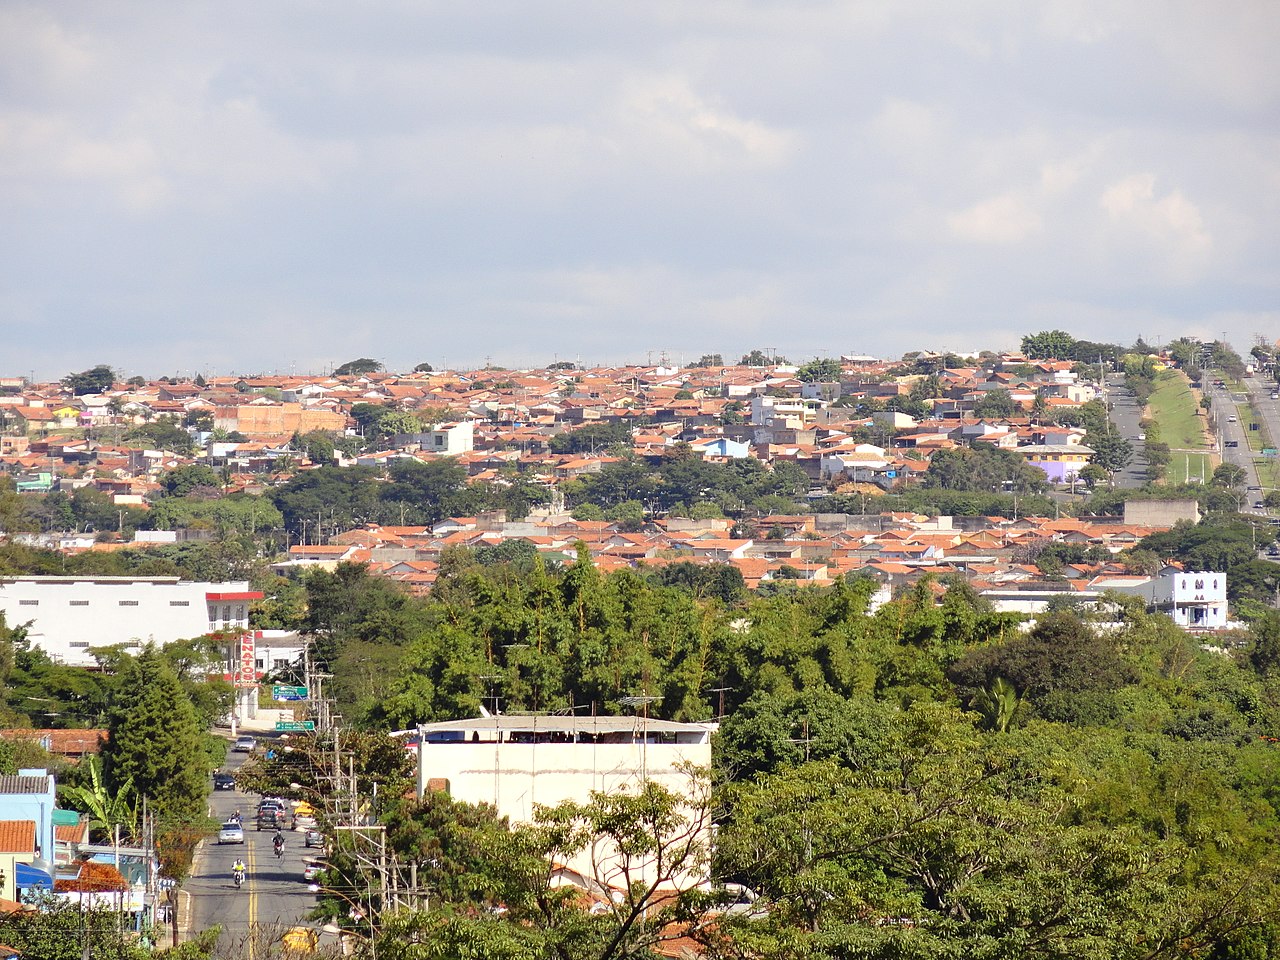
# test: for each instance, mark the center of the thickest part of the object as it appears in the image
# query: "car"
(1275, 396)
(223, 781)
(231, 832)
(1233, 443)
(1253, 487)
(244, 745)
(1259, 505)
(312, 870)
(1231, 419)
(270, 820)
(313, 839)
(1139, 437)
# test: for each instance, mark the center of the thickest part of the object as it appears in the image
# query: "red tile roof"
(17, 836)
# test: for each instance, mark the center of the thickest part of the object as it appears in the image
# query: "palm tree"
(1000, 705)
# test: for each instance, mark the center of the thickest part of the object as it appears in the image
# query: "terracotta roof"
(17, 836)
(94, 878)
(67, 743)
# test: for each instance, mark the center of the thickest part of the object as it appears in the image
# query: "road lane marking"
(253, 897)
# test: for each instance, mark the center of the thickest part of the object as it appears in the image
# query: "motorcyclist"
(238, 870)
(277, 842)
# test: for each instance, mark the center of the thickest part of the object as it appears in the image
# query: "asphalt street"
(1237, 432)
(1127, 415)
(274, 896)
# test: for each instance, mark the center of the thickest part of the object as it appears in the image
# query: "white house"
(451, 438)
(68, 616)
(517, 762)
(1197, 601)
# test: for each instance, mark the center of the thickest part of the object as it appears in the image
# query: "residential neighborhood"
(293, 657)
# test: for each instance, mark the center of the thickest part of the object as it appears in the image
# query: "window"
(128, 603)
(226, 613)
(79, 603)
(258, 664)
(179, 603)
(278, 664)
(79, 644)
(28, 603)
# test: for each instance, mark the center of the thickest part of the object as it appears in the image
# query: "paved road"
(1127, 415)
(1236, 432)
(274, 896)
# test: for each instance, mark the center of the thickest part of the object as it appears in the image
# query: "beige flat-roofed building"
(518, 762)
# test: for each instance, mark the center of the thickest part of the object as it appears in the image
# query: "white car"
(244, 745)
(231, 832)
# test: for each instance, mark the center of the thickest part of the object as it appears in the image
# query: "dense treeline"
(930, 779)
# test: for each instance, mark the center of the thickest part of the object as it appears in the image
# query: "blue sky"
(246, 186)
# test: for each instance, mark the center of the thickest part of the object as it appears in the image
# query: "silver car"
(231, 832)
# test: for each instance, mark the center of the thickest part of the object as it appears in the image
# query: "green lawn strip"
(1173, 407)
(1256, 439)
(1268, 472)
(1188, 467)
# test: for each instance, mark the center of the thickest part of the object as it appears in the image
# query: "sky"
(240, 186)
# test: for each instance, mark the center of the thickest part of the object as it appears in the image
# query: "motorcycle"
(237, 877)
(279, 848)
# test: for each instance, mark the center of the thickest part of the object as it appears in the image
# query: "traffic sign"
(282, 692)
(295, 725)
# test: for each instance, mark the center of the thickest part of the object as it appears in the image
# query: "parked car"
(312, 870)
(1233, 443)
(313, 839)
(223, 781)
(231, 832)
(244, 745)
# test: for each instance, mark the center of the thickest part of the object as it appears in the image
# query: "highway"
(274, 896)
(1237, 432)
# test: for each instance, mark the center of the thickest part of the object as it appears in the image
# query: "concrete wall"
(514, 777)
(1160, 513)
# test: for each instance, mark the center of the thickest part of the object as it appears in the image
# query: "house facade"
(68, 616)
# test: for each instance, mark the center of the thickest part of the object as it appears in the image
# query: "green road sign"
(281, 692)
(295, 725)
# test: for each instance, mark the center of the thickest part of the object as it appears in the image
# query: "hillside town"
(838, 431)
(369, 607)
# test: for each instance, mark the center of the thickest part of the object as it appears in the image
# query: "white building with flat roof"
(1197, 601)
(519, 762)
(67, 617)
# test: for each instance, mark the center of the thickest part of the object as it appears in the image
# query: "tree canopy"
(94, 380)
(358, 368)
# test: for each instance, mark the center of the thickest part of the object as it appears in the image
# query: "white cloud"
(1170, 220)
(1005, 219)
(665, 118)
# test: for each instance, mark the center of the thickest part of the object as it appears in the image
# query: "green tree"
(94, 380)
(758, 358)
(820, 371)
(423, 368)
(182, 480)
(1229, 475)
(996, 404)
(107, 809)
(709, 360)
(358, 368)
(1050, 344)
(1111, 451)
(154, 742)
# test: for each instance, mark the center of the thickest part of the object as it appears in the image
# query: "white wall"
(516, 776)
(69, 615)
